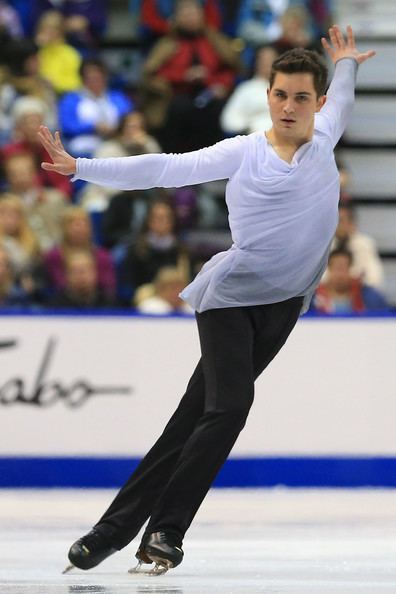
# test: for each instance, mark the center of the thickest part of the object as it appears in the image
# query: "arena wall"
(82, 398)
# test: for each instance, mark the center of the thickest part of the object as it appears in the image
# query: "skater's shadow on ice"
(77, 589)
(92, 589)
(158, 590)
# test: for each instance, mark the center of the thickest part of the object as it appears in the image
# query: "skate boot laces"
(161, 548)
(93, 541)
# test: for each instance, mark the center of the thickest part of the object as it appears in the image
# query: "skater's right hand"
(62, 162)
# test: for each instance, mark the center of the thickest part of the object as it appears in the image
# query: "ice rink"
(258, 541)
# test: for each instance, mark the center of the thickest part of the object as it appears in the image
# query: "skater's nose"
(288, 107)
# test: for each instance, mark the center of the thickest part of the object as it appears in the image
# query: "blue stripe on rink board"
(344, 472)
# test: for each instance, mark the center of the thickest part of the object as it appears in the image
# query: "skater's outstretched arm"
(333, 116)
(148, 171)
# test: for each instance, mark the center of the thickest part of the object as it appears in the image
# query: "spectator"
(189, 74)
(157, 246)
(156, 15)
(124, 217)
(10, 21)
(21, 244)
(76, 236)
(296, 30)
(229, 13)
(345, 195)
(81, 288)
(162, 297)
(92, 15)
(23, 78)
(341, 292)
(7, 95)
(259, 23)
(367, 264)
(11, 32)
(16, 235)
(11, 293)
(44, 206)
(85, 20)
(24, 10)
(91, 114)
(247, 109)
(59, 61)
(29, 115)
(131, 139)
(320, 11)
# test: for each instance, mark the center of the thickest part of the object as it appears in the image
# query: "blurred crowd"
(202, 75)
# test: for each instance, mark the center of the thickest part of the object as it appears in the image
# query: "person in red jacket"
(193, 69)
(342, 293)
(156, 16)
(29, 114)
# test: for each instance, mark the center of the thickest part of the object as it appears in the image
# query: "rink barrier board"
(323, 415)
(236, 473)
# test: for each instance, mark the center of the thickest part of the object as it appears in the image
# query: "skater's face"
(293, 102)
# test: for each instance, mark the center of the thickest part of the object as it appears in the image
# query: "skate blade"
(161, 565)
(68, 569)
(158, 569)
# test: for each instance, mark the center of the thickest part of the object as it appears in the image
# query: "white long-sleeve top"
(282, 215)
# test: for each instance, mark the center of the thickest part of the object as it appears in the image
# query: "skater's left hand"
(344, 48)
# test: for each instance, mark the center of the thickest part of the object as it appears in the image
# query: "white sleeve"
(333, 117)
(141, 172)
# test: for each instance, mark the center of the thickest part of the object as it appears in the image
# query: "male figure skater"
(282, 196)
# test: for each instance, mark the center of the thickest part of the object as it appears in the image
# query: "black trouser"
(172, 480)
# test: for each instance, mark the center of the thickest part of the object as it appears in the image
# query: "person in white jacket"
(366, 263)
(282, 195)
(247, 109)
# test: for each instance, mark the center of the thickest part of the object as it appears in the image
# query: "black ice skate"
(163, 549)
(143, 559)
(89, 551)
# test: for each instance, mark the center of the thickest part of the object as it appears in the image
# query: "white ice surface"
(242, 541)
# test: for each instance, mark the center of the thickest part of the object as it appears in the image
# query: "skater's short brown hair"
(302, 60)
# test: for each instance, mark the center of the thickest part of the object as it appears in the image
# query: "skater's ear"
(321, 101)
